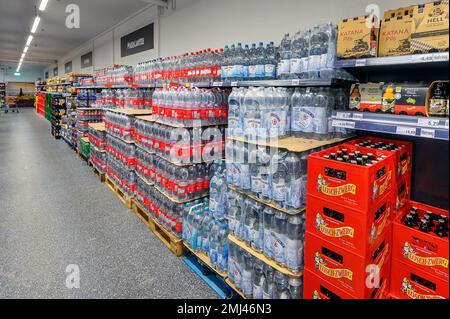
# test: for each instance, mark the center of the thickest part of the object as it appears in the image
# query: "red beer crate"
(346, 227)
(425, 251)
(359, 187)
(343, 268)
(409, 282)
(315, 287)
(401, 192)
(403, 157)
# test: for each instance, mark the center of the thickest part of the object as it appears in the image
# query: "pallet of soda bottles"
(97, 156)
(353, 198)
(173, 243)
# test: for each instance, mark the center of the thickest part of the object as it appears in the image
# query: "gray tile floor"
(55, 212)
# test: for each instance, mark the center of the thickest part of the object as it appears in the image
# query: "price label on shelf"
(426, 132)
(428, 122)
(358, 116)
(437, 57)
(295, 81)
(446, 124)
(360, 62)
(344, 124)
(344, 115)
(234, 83)
(405, 130)
(217, 83)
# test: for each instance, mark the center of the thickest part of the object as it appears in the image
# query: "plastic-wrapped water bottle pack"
(258, 280)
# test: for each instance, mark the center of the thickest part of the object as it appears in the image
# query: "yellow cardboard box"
(430, 27)
(356, 39)
(395, 36)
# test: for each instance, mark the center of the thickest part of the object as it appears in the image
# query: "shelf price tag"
(343, 115)
(437, 57)
(234, 83)
(344, 124)
(360, 62)
(357, 116)
(428, 122)
(405, 130)
(295, 81)
(426, 132)
(217, 83)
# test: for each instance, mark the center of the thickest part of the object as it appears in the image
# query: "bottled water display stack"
(205, 227)
(258, 280)
(274, 176)
(139, 99)
(259, 113)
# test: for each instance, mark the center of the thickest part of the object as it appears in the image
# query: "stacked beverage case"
(97, 140)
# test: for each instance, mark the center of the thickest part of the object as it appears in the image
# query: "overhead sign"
(55, 71)
(86, 60)
(68, 67)
(137, 41)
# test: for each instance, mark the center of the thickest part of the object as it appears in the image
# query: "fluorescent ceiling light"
(35, 24)
(25, 50)
(23, 55)
(43, 5)
(30, 38)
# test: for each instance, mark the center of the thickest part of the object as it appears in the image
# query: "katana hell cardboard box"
(357, 38)
(413, 283)
(315, 287)
(430, 27)
(348, 228)
(428, 252)
(395, 36)
(358, 187)
(343, 268)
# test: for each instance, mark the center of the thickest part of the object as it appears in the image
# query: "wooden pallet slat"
(124, 198)
(172, 242)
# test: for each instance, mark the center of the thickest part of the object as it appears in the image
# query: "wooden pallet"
(204, 259)
(172, 242)
(124, 198)
(100, 175)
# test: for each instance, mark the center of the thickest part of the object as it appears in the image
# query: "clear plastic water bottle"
(239, 266)
(284, 63)
(316, 43)
(281, 286)
(252, 63)
(293, 181)
(279, 188)
(222, 262)
(258, 279)
(246, 61)
(260, 62)
(232, 251)
(270, 67)
(214, 244)
(296, 288)
(268, 287)
(294, 244)
(247, 275)
(321, 114)
(279, 237)
(268, 217)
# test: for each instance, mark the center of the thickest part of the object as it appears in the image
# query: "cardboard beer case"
(395, 36)
(355, 38)
(430, 27)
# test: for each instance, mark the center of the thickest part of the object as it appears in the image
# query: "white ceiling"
(53, 39)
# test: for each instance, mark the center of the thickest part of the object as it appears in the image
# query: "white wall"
(27, 74)
(199, 24)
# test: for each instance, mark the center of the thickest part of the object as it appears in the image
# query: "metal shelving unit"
(405, 60)
(416, 126)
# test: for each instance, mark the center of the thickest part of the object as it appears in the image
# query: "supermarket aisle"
(55, 212)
